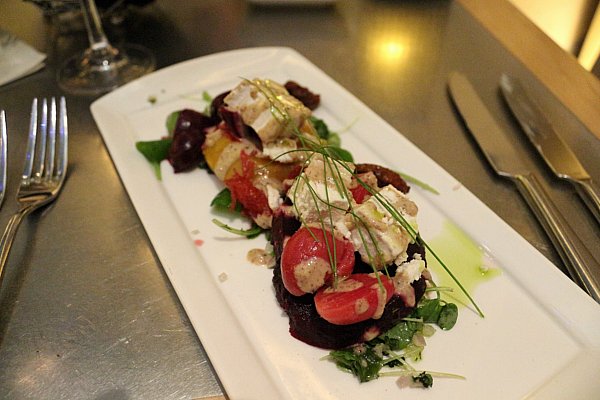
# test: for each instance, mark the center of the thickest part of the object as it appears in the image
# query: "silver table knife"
(498, 150)
(551, 147)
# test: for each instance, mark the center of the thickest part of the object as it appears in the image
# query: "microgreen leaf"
(223, 201)
(172, 122)
(365, 364)
(424, 379)
(341, 154)
(208, 99)
(448, 316)
(418, 182)
(249, 233)
(400, 336)
(154, 151)
(321, 127)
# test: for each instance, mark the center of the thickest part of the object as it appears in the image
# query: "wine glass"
(102, 67)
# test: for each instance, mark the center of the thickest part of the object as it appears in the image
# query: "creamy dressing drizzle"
(381, 300)
(310, 274)
(346, 285)
(361, 306)
(261, 258)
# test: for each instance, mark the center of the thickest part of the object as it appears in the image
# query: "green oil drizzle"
(464, 257)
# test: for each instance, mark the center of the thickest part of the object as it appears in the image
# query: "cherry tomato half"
(305, 261)
(355, 299)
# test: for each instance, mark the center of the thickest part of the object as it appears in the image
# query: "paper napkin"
(17, 58)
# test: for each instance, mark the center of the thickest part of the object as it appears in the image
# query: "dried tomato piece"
(308, 98)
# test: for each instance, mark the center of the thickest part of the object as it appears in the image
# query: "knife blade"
(555, 152)
(499, 151)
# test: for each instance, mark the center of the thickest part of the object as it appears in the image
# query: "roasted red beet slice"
(185, 152)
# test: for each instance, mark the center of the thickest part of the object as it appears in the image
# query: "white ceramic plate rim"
(229, 334)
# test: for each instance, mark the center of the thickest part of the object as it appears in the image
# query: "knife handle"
(580, 262)
(590, 194)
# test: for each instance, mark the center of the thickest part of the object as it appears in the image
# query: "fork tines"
(46, 154)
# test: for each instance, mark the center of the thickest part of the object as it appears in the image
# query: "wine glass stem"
(96, 35)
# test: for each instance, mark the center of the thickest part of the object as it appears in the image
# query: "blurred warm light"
(392, 51)
(387, 49)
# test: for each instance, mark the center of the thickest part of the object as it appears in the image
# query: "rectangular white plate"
(540, 337)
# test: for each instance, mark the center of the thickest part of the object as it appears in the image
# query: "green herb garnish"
(155, 151)
(250, 233)
(172, 122)
(418, 182)
(208, 99)
(223, 201)
(424, 379)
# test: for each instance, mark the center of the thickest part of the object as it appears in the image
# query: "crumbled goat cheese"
(268, 108)
(317, 195)
(384, 240)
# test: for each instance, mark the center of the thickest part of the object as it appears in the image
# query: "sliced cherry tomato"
(354, 299)
(305, 262)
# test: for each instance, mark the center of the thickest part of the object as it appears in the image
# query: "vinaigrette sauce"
(465, 258)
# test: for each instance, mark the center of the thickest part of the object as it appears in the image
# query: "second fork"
(45, 167)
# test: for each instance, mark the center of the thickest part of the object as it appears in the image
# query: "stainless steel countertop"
(86, 311)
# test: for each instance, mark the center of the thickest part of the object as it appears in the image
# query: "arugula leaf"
(429, 310)
(341, 154)
(172, 122)
(208, 99)
(155, 151)
(438, 312)
(223, 201)
(334, 139)
(424, 379)
(393, 348)
(321, 127)
(206, 96)
(448, 316)
(361, 361)
(400, 336)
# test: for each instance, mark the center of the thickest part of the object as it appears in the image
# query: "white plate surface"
(541, 334)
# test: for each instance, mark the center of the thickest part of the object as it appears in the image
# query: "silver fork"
(45, 167)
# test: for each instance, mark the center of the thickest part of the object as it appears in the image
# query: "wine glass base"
(99, 71)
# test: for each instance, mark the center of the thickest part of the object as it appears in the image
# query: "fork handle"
(9, 235)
